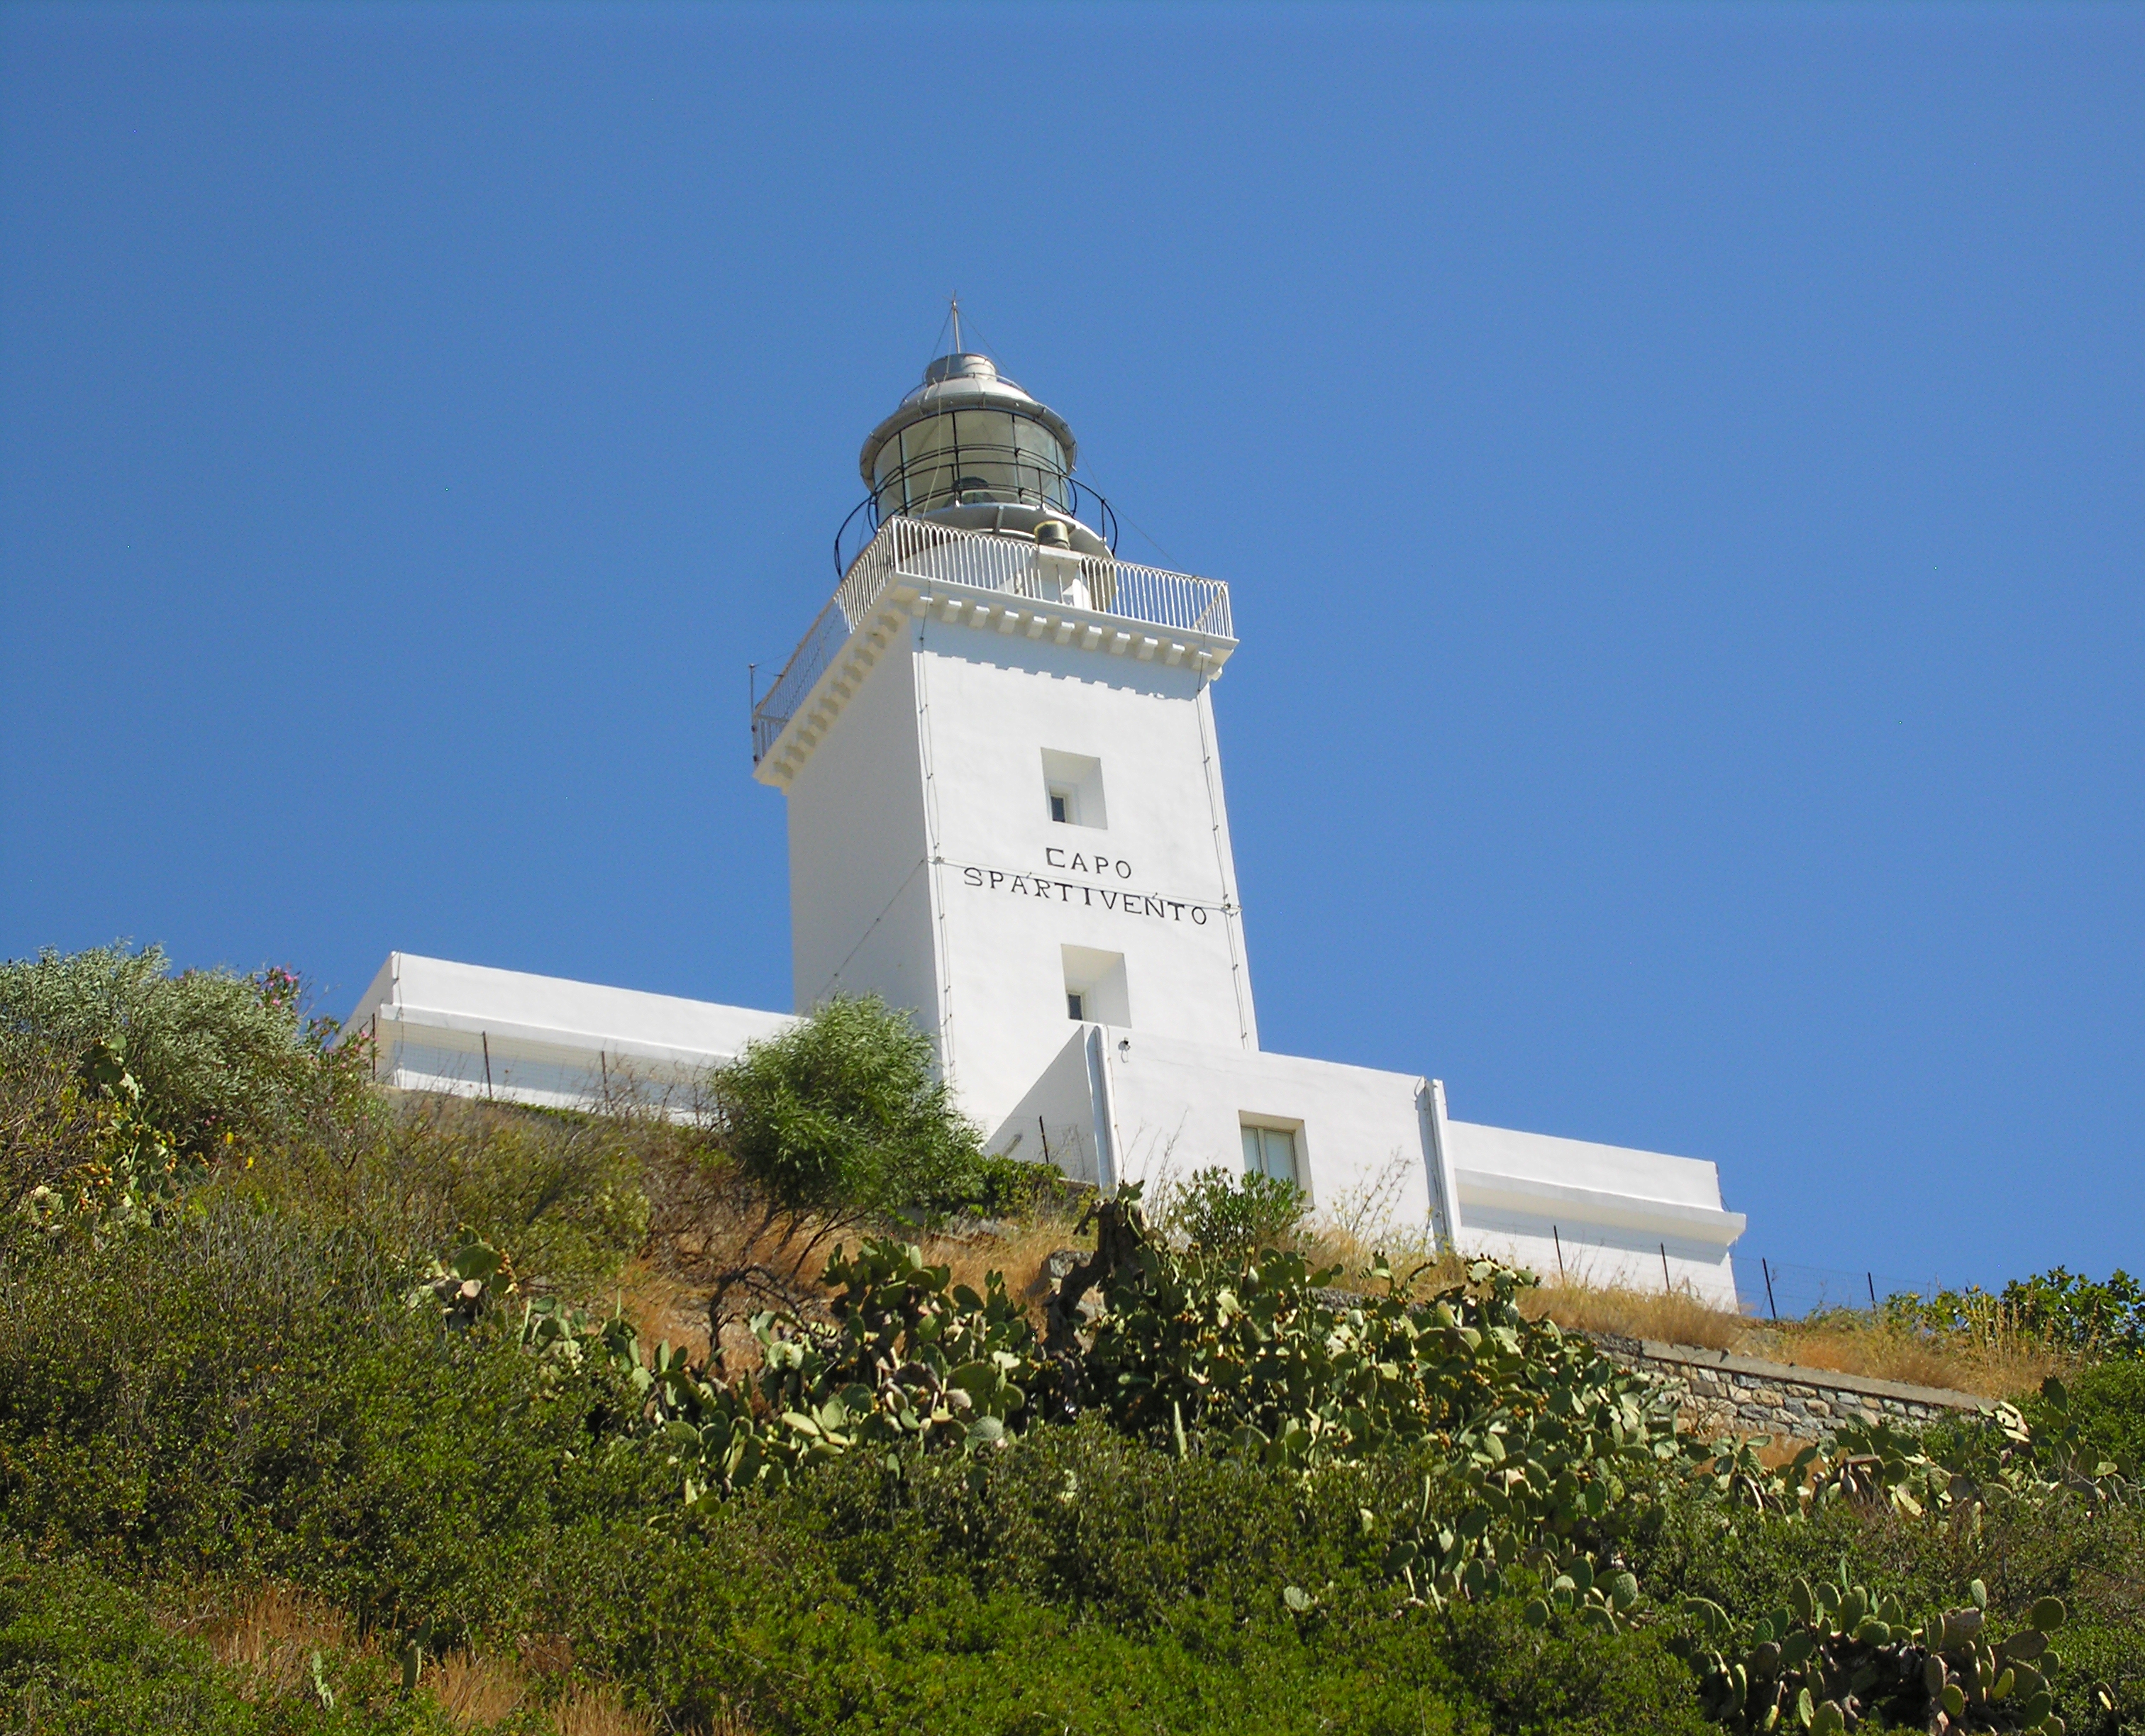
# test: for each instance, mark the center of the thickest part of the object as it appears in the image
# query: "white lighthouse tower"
(998, 749)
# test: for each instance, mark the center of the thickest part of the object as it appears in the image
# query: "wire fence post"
(1771, 1306)
(1558, 1241)
(1667, 1284)
(484, 1037)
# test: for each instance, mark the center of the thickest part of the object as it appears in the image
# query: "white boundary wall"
(1114, 1105)
(1604, 1215)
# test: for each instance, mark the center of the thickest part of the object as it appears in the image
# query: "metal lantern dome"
(969, 448)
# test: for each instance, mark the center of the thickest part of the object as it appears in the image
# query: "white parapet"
(1600, 1215)
(474, 1031)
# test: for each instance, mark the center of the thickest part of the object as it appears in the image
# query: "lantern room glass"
(970, 457)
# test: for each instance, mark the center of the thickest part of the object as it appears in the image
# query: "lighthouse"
(997, 750)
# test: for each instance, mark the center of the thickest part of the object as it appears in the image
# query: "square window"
(1073, 788)
(1094, 987)
(1271, 1152)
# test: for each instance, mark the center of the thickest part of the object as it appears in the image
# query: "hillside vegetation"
(322, 1409)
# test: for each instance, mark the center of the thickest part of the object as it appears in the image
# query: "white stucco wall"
(860, 917)
(1055, 1120)
(1155, 885)
(1378, 1152)
(1169, 1108)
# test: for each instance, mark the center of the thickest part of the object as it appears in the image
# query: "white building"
(998, 749)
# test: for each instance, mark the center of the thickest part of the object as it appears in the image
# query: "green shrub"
(213, 1054)
(564, 1194)
(1088, 1582)
(2107, 1406)
(230, 1394)
(2074, 1313)
(843, 1116)
(1270, 1507)
(2057, 1307)
(77, 1653)
(235, 1394)
(52, 1130)
(1013, 1187)
(1216, 1212)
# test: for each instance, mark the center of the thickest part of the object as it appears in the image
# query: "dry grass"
(477, 1692)
(2003, 1366)
(271, 1638)
(2000, 1367)
(662, 1307)
(602, 1712)
(272, 1635)
(1675, 1315)
(480, 1693)
(1019, 1256)
(1421, 1268)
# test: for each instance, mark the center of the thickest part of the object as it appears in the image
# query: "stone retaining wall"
(1718, 1392)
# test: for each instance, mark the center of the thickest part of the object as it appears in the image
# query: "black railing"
(1073, 497)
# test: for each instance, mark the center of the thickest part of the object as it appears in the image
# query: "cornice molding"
(945, 603)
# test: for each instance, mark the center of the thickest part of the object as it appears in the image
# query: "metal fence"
(940, 554)
(1788, 1290)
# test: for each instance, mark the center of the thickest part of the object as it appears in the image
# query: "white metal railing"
(940, 554)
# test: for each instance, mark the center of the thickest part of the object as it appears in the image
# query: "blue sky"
(1678, 468)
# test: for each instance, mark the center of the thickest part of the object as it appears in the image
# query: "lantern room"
(970, 448)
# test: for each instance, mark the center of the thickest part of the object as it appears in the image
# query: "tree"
(843, 1117)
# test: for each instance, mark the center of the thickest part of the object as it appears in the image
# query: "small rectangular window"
(1076, 1006)
(1061, 807)
(1271, 1152)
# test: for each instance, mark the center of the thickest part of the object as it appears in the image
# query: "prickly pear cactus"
(1836, 1656)
(1253, 1347)
(1873, 1464)
(461, 1285)
(909, 1359)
